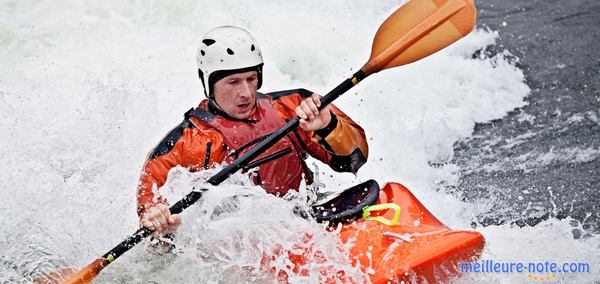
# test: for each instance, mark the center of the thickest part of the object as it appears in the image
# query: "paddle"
(417, 29)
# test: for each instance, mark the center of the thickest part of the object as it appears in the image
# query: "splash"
(87, 88)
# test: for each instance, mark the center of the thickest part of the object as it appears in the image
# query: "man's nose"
(245, 89)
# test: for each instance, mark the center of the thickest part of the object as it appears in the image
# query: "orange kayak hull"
(418, 249)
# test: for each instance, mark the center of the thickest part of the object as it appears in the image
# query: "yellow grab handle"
(367, 213)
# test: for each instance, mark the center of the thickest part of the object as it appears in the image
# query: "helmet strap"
(201, 76)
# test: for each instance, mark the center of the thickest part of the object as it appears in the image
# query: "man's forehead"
(241, 75)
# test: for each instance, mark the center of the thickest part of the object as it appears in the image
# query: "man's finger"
(161, 219)
(157, 226)
(148, 224)
(175, 219)
(300, 113)
(313, 107)
(307, 111)
(174, 222)
(165, 211)
(317, 99)
(164, 221)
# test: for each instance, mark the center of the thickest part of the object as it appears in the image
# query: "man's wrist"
(329, 128)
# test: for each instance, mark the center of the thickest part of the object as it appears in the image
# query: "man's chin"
(242, 115)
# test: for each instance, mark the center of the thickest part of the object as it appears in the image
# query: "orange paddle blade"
(417, 29)
(55, 277)
(88, 273)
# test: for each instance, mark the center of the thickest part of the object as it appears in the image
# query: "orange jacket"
(197, 144)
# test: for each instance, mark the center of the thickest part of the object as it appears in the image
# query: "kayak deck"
(419, 248)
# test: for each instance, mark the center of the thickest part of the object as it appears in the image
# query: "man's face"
(236, 94)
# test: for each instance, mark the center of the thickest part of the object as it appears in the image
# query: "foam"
(89, 87)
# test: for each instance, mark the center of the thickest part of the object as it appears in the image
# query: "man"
(234, 117)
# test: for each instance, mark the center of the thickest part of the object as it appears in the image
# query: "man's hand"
(160, 220)
(311, 118)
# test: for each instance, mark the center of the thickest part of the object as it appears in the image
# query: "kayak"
(395, 238)
(392, 238)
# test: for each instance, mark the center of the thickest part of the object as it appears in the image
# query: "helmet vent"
(202, 52)
(229, 51)
(208, 42)
(252, 48)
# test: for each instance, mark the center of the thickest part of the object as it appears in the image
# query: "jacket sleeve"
(186, 146)
(343, 140)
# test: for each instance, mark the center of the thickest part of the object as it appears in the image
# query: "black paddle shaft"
(236, 165)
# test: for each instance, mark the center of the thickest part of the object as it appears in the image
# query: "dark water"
(541, 161)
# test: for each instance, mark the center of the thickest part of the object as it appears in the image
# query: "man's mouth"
(244, 106)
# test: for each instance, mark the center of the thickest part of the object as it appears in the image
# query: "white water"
(87, 88)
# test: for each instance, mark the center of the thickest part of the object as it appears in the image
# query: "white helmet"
(224, 51)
